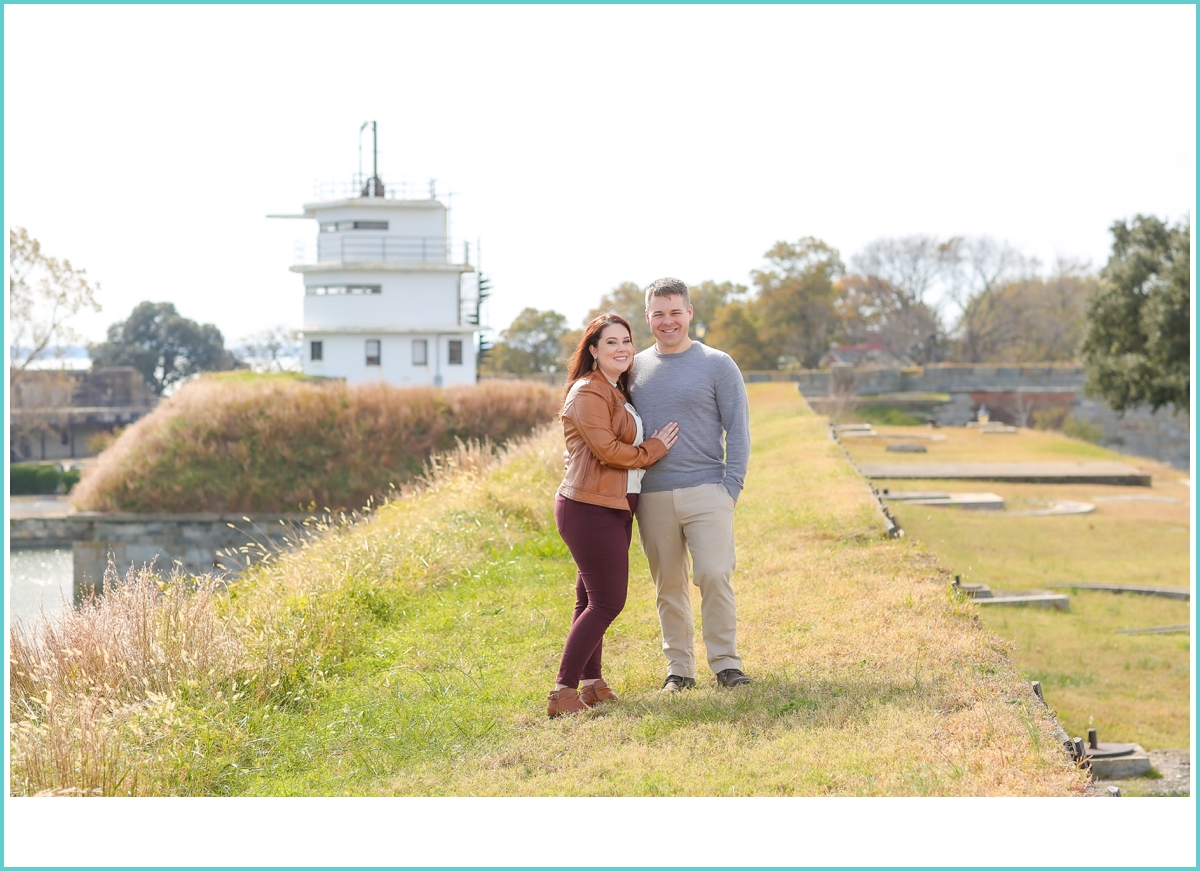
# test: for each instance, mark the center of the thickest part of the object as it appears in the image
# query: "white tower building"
(383, 289)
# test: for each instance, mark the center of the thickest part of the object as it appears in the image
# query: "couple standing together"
(682, 482)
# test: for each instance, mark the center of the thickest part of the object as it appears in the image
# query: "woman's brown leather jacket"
(600, 433)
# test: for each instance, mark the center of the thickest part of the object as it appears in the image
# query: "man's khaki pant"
(698, 520)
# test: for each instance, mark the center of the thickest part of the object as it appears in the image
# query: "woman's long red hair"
(581, 361)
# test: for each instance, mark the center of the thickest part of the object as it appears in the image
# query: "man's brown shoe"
(597, 692)
(564, 701)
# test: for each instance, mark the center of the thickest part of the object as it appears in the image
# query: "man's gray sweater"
(701, 389)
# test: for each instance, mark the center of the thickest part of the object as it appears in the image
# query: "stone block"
(1034, 599)
(1119, 767)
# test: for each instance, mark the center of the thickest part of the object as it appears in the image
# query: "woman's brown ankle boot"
(597, 692)
(564, 701)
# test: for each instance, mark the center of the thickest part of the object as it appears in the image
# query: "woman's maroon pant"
(598, 538)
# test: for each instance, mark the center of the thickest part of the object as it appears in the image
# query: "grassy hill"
(412, 655)
(278, 444)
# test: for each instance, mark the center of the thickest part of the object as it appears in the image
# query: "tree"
(736, 331)
(1138, 344)
(907, 270)
(629, 301)
(795, 301)
(915, 265)
(992, 315)
(709, 299)
(44, 294)
(1027, 320)
(532, 343)
(870, 309)
(163, 345)
(276, 349)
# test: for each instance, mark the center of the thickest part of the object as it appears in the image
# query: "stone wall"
(1011, 394)
(196, 542)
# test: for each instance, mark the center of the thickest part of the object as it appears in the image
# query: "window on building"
(339, 289)
(372, 352)
(339, 226)
(420, 352)
(455, 352)
(316, 351)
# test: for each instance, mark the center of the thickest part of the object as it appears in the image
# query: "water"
(39, 579)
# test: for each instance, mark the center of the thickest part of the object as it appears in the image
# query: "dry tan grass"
(79, 680)
(99, 693)
(871, 678)
(278, 445)
(412, 655)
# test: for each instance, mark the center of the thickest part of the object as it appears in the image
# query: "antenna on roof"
(374, 185)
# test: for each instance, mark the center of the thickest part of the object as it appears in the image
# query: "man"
(688, 497)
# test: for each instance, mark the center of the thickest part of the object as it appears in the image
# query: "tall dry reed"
(78, 679)
(112, 698)
(282, 445)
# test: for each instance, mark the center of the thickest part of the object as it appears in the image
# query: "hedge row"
(32, 479)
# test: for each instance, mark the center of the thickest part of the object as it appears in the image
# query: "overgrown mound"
(280, 445)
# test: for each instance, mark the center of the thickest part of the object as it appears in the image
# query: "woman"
(596, 500)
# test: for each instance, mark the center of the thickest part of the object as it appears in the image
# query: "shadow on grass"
(771, 702)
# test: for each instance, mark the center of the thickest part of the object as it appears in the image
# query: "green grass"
(885, 417)
(412, 656)
(249, 376)
(1133, 688)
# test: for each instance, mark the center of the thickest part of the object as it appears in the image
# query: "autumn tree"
(870, 309)
(1138, 344)
(629, 301)
(795, 301)
(736, 329)
(530, 344)
(709, 299)
(164, 346)
(1027, 320)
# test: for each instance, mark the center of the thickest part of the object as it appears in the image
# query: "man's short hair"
(667, 287)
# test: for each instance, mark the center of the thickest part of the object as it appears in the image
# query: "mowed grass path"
(1132, 688)
(871, 677)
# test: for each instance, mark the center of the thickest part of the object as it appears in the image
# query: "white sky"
(587, 145)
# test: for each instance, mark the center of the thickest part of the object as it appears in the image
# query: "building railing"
(398, 189)
(358, 247)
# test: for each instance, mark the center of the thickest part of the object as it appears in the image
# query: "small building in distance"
(872, 354)
(383, 287)
(55, 414)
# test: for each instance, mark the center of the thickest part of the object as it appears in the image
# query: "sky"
(584, 145)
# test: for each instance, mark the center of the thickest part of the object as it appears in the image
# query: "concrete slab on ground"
(1157, 630)
(1056, 508)
(1034, 598)
(1183, 593)
(1062, 472)
(966, 501)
